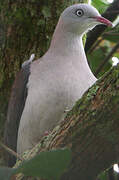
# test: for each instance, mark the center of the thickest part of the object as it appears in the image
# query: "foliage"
(48, 165)
(103, 46)
(101, 5)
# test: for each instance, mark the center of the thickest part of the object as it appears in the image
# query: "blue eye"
(79, 12)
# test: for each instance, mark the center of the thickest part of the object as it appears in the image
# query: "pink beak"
(103, 20)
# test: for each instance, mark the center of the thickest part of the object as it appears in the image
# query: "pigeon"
(45, 88)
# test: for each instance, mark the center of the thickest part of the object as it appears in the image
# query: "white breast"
(52, 88)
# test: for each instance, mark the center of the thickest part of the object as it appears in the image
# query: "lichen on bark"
(26, 28)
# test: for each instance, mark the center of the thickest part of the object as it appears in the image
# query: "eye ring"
(79, 12)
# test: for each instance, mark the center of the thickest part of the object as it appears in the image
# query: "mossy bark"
(90, 129)
(26, 27)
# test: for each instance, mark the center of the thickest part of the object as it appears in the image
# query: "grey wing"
(15, 109)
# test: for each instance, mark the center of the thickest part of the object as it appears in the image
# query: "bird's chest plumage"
(53, 87)
(60, 83)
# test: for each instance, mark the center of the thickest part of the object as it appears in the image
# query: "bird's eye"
(79, 12)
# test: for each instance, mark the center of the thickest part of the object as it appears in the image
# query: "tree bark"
(26, 27)
(90, 129)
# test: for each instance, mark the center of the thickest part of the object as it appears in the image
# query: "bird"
(45, 88)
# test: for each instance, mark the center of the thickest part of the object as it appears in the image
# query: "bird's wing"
(15, 109)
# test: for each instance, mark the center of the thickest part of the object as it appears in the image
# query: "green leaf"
(100, 5)
(103, 175)
(112, 37)
(112, 34)
(48, 165)
(6, 173)
(96, 58)
(116, 55)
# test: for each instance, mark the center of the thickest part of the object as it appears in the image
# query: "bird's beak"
(103, 20)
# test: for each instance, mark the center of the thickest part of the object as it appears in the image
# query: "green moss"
(117, 83)
(92, 92)
(116, 72)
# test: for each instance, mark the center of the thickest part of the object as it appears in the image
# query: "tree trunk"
(26, 27)
(90, 129)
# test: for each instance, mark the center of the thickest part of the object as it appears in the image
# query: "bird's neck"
(66, 43)
(67, 47)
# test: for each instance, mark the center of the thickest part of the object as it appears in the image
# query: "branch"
(90, 129)
(11, 152)
(98, 30)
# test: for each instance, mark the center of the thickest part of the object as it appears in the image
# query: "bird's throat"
(69, 46)
(66, 43)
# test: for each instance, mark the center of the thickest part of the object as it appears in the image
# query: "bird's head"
(80, 18)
